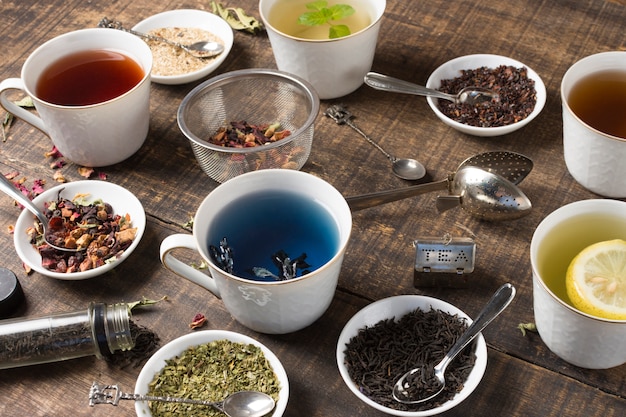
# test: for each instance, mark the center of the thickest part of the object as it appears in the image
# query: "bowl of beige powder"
(172, 65)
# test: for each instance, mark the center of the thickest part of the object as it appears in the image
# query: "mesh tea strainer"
(258, 96)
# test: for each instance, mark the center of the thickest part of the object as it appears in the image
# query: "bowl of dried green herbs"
(389, 337)
(248, 120)
(210, 365)
(521, 94)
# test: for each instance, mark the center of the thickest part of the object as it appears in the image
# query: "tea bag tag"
(443, 262)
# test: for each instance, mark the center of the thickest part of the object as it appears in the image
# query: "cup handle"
(183, 241)
(17, 111)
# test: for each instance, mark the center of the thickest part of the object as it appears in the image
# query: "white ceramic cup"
(335, 67)
(595, 159)
(576, 337)
(275, 307)
(94, 135)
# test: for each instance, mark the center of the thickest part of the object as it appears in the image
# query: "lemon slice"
(596, 280)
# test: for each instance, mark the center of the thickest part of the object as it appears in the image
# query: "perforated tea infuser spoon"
(9, 189)
(237, 404)
(468, 95)
(404, 392)
(201, 49)
(407, 169)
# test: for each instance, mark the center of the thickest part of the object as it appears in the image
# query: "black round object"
(11, 294)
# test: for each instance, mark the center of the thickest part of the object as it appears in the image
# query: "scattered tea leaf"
(144, 302)
(524, 327)
(237, 18)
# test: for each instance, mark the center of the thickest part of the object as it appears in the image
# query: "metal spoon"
(468, 95)
(201, 49)
(498, 302)
(407, 169)
(238, 404)
(9, 189)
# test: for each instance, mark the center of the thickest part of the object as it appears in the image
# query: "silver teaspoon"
(468, 95)
(238, 404)
(9, 189)
(405, 168)
(201, 49)
(499, 301)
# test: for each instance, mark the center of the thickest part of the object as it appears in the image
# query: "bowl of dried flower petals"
(389, 337)
(248, 120)
(231, 362)
(521, 94)
(103, 221)
(171, 65)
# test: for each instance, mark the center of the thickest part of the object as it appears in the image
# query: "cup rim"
(79, 34)
(344, 238)
(542, 227)
(373, 23)
(568, 74)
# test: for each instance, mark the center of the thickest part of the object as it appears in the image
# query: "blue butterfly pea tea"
(273, 236)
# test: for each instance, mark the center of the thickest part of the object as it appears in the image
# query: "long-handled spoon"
(468, 95)
(407, 169)
(499, 301)
(9, 189)
(201, 49)
(238, 404)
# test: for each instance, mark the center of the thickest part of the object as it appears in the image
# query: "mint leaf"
(316, 18)
(321, 15)
(340, 11)
(317, 5)
(338, 31)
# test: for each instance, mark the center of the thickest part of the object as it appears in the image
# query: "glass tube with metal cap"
(100, 330)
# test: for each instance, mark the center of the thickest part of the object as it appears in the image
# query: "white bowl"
(190, 18)
(452, 69)
(179, 345)
(396, 307)
(123, 202)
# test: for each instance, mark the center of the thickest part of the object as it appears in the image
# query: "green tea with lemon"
(284, 16)
(568, 239)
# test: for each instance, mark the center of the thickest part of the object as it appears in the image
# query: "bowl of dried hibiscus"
(103, 224)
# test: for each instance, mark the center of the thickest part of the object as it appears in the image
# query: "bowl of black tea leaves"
(372, 352)
(521, 94)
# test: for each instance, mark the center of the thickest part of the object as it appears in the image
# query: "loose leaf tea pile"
(100, 235)
(241, 134)
(517, 96)
(211, 372)
(379, 355)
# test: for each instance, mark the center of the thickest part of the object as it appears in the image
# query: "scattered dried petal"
(198, 321)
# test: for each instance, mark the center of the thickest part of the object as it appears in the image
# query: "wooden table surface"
(523, 378)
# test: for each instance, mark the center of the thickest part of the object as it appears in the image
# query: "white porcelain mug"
(91, 135)
(594, 158)
(578, 338)
(335, 67)
(274, 307)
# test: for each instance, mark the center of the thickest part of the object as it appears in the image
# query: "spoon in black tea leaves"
(423, 383)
